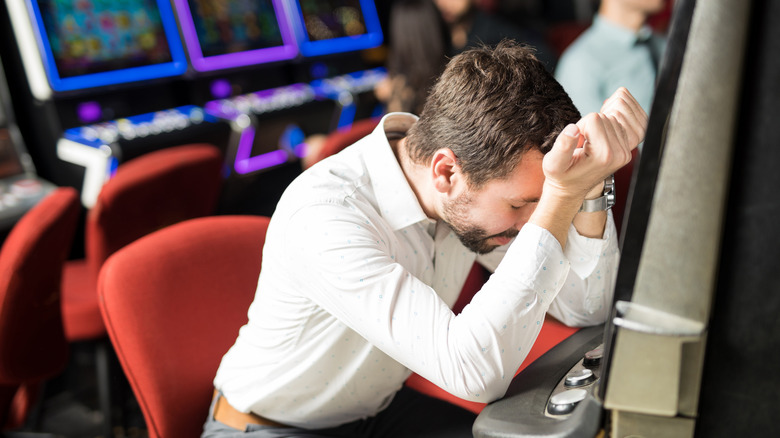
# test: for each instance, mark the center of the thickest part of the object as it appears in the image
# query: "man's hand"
(583, 155)
(599, 144)
(622, 107)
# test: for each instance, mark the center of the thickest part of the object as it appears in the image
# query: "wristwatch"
(605, 201)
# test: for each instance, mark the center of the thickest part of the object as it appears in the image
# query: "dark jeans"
(410, 415)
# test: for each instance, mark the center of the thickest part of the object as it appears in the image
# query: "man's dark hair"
(489, 106)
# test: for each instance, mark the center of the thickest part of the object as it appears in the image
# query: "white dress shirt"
(356, 289)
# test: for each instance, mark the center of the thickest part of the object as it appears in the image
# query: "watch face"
(609, 184)
(610, 200)
(609, 190)
(605, 201)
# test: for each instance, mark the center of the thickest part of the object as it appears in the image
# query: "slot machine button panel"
(593, 357)
(26, 188)
(579, 378)
(564, 403)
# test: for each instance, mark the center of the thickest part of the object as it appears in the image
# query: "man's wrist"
(604, 201)
(596, 192)
(555, 211)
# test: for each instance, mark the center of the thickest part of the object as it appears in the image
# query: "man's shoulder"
(332, 180)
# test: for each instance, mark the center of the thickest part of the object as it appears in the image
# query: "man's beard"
(471, 236)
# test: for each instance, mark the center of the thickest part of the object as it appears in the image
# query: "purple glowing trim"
(220, 88)
(221, 108)
(89, 112)
(263, 101)
(272, 99)
(287, 50)
(245, 163)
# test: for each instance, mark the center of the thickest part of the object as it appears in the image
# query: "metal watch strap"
(605, 201)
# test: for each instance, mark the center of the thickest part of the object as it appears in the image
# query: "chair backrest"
(32, 343)
(338, 140)
(173, 302)
(150, 192)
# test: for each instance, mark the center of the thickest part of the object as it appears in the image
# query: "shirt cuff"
(584, 252)
(535, 258)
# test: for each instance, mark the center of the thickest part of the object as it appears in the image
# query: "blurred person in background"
(418, 47)
(471, 26)
(418, 44)
(619, 49)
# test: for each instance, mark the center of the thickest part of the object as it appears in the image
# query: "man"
(368, 249)
(618, 49)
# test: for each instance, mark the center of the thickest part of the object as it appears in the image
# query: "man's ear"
(444, 170)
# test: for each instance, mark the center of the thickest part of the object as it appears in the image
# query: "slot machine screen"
(92, 43)
(223, 34)
(325, 27)
(282, 134)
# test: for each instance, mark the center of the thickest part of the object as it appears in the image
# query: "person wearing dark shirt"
(418, 47)
(470, 26)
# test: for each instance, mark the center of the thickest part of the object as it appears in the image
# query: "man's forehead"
(524, 182)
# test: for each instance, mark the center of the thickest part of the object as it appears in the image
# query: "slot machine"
(248, 73)
(241, 55)
(102, 85)
(20, 187)
(691, 347)
(329, 34)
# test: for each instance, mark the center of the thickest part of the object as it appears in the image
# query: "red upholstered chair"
(33, 347)
(173, 302)
(559, 36)
(147, 193)
(338, 140)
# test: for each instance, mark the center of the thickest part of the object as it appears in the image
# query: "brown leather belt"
(226, 414)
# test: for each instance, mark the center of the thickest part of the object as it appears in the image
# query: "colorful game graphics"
(221, 35)
(324, 27)
(92, 43)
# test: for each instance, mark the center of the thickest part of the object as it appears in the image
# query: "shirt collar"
(397, 202)
(622, 35)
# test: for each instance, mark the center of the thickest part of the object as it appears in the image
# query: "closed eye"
(523, 204)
